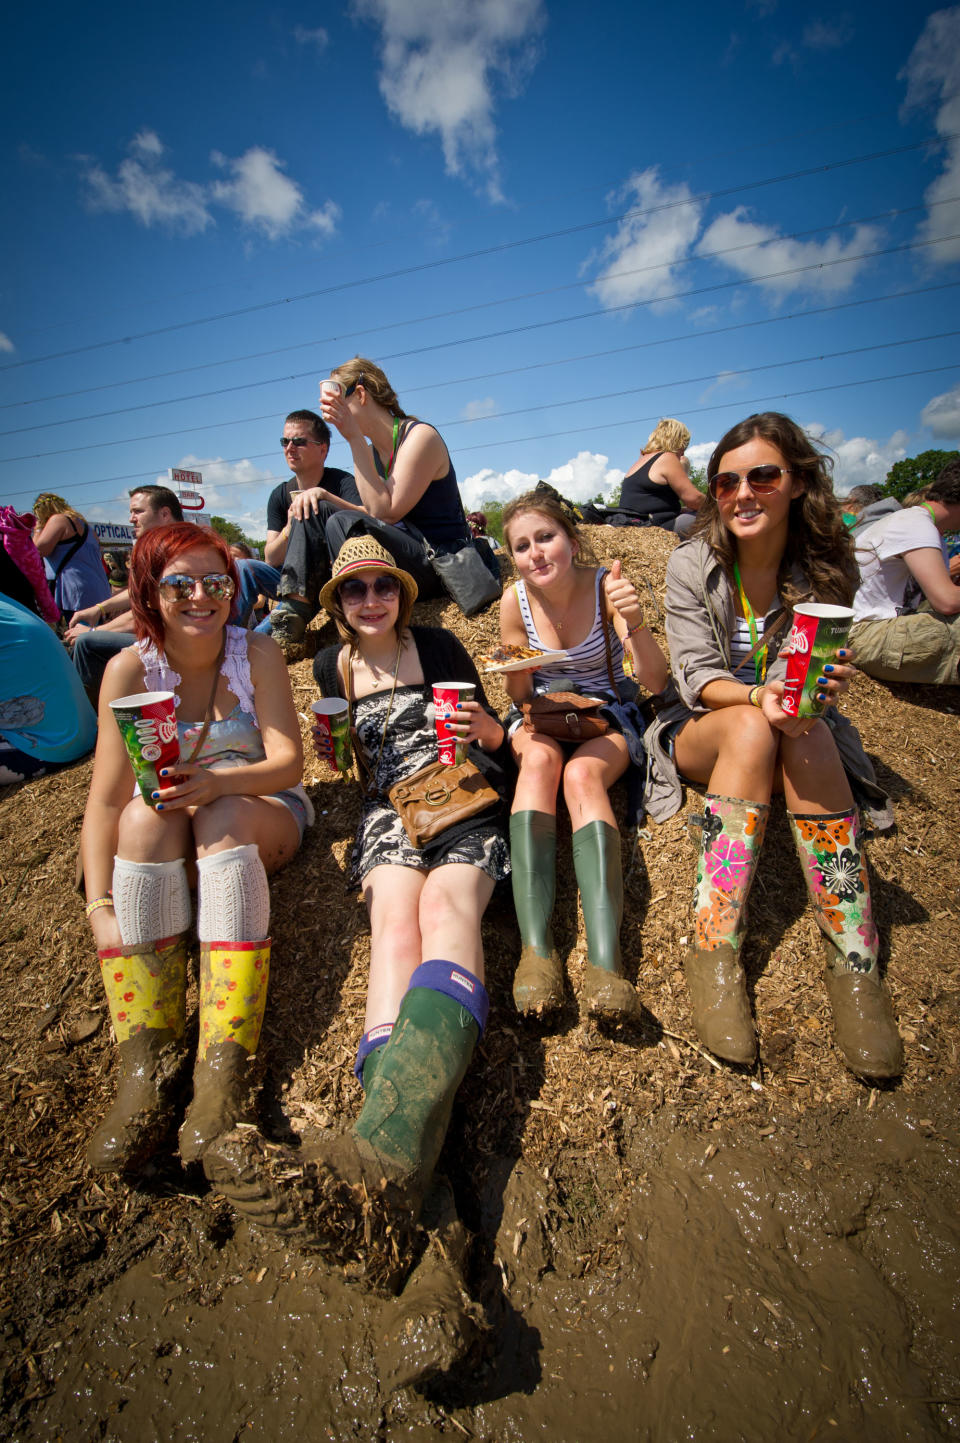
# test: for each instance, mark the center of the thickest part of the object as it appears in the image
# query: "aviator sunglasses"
(180, 587)
(354, 591)
(760, 479)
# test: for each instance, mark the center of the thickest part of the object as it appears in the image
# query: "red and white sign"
(191, 501)
(179, 477)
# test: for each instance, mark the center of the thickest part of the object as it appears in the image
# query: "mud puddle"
(798, 1283)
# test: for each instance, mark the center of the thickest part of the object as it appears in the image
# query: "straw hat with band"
(361, 553)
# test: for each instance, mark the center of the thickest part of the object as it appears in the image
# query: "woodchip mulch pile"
(553, 1097)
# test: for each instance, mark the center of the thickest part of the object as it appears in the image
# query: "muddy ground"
(663, 1248)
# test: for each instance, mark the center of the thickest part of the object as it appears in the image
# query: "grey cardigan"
(701, 617)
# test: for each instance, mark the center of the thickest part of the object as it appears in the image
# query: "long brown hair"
(554, 508)
(819, 546)
(359, 370)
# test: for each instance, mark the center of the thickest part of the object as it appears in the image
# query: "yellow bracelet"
(640, 626)
(105, 901)
(753, 697)
(100, 613)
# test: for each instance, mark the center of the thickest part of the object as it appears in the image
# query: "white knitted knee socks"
(151, 900)
(234, 898)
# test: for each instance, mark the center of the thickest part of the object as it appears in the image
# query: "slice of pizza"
(506, 653)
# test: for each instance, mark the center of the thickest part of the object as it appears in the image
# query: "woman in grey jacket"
(771, 534)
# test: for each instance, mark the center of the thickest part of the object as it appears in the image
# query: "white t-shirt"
(884, 575)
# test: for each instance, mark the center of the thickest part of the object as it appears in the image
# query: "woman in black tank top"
(658, 488)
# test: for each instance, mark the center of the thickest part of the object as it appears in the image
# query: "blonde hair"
(668, 435)
(553, 508)
(369, 375)
(49, 504)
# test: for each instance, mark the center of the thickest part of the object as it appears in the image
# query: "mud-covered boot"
(596, 862)
(357, 1195)
(434, 1322)
(836, 877)
(233, 995)
(538, 981)
(732, 835)
(289, 620)
(146, 992)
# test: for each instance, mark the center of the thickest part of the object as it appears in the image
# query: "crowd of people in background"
(599, 701)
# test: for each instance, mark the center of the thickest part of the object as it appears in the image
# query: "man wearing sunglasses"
(98, 632)
(310, 496)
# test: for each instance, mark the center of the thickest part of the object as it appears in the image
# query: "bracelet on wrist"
(640, 626)
(753, 696)
(104, 901)
(101, 614)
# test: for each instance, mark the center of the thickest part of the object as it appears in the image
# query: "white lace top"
(235, 670)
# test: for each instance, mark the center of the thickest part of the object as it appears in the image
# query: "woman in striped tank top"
(563, 601)
(770, 535)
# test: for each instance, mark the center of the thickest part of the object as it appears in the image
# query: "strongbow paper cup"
(333, 718)
(446, 694)
(818, 632)
(148, 725)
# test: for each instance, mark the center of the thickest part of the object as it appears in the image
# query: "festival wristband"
(754, 696)
(640, 626)
(106, 901)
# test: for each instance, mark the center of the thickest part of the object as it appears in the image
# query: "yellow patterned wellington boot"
(146, 992)
(233, 995)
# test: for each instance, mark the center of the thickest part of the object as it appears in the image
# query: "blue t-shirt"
(44, 709)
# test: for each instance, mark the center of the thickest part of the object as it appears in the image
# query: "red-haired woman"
(237, 810)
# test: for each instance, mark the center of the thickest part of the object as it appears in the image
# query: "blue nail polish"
(155, 795)
(828, 667)
(821, 681)
(821, 696)
(159, 806)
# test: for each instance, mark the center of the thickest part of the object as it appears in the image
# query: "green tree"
(233, 535)
(698, 475)
(914, 471)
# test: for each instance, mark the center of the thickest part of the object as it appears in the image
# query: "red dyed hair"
(155, 551)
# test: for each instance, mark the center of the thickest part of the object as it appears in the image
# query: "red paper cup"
(819, 631)
(446, 694)
(148, 725)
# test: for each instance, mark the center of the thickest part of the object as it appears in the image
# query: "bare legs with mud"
(742, 759)
(143, 965)
(587, 777)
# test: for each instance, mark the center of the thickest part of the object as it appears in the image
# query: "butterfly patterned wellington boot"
(730, 846)
(836, 877)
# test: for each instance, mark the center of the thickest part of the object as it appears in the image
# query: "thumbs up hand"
(622, 595)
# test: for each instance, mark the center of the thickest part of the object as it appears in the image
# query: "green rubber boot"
(596, 861)
(538, 982)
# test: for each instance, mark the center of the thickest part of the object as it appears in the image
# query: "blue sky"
(551, 224)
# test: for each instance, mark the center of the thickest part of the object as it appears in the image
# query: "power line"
(482, 252)
(610, 425)
(463, 310)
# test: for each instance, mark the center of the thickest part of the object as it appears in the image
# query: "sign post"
(190, 499)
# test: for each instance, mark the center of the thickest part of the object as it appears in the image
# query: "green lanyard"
(393, 453)
(760, 660)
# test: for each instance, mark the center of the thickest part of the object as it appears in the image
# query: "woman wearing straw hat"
(426, 1000)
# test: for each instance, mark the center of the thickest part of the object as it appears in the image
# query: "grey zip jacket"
(701, 618)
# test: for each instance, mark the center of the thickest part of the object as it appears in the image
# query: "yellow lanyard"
(760, 660)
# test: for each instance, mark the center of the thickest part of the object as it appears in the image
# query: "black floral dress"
(411, 743)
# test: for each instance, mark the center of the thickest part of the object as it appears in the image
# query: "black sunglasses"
(760, 479)
(353, 386)
(180, 587)
(353, 591)
(297, 441)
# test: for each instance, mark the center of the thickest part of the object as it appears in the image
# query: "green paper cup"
(819, 631)
(333, 718)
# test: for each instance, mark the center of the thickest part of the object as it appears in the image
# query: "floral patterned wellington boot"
(730, 846)
(233, 995)
(836, 877)
(146, 990)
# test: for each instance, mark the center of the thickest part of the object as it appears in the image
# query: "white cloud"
(700, 454)
(258, 192)
(858, 460)
(578, 479)
(932, 73)
(758, 252)
(476, 410)
(440, 62)
(941, 415)
(265, 198)
(5, 342)
(318, 38)
(641, 259)
(151, 193)
(237, 490)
